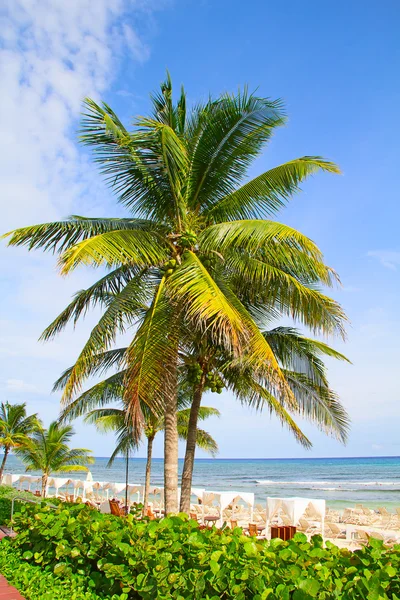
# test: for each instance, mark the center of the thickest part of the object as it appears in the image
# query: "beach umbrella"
(88, 487)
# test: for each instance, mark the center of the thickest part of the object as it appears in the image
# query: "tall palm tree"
(15, 428)
(117, 420)
(300, 360)
(196, 237)
(49, 452)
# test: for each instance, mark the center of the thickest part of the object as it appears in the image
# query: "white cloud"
(388, 258)
(17, 385)
(53, 54)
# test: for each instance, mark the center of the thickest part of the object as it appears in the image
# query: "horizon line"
(260, 458)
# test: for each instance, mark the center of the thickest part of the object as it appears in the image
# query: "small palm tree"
(15, 429)
(116, 419)
(48, 452)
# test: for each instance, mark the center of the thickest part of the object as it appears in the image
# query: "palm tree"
(48, 452)
(197, 235)
(15, 429)
(300, 360)
(117, 420)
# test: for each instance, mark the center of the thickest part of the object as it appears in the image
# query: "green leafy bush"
(39, 584)
(173, 558)
(7, 493)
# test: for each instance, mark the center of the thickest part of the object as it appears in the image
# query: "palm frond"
(122, 311)
(97, 294)
(100, 363)
(264, 195)
(205, 303)
(254, 235)
(148, 355)
(116, 248)
(105, 392)
(59, 236)
(225, 137)
(319, 405)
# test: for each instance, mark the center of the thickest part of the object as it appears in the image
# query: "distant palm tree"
(117, 420)
(15, 428)
(48, 452)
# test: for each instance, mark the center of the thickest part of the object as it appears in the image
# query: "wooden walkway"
(7, 592)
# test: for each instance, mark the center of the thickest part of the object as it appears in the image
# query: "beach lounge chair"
(333, 516)
(306, 526)
(349, 516)
(334, 531)
(116, 508)
(384, 512)
(363, 537)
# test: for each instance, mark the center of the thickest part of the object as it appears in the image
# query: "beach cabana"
(77, 484)
(136, 489)
(57, 483)
(10, 479)
(115, 488)
(28, 480)
(225, 499)
(294, 508)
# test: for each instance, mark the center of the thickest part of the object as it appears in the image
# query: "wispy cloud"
(18, 385)
(388, 258)
(53, 54)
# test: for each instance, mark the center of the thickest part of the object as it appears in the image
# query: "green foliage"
(7, 493)
(41, 584)
(174, 558)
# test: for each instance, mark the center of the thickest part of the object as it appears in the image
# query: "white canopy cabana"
(115, 488)
(224, 499)
(29, 479)
(294, 508)
(10, 478)
(76, 484)
(138, 489)
(57, 483)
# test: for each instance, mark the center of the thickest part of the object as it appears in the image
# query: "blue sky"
(336, 66)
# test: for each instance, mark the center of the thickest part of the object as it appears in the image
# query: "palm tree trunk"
(3, 462)
(44, 484)
(171, 436)
(187, 474)
(148, 473)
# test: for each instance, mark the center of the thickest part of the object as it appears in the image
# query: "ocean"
(340, 481)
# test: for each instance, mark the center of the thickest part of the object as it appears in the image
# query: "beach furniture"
(234, 523)
(332, 530)
(384, 512)
(294, 508)
(351, 517)
(116, 509)
(306, 526)
(333, 516)
(224, 500)
(252, 529)
(363, 537)
(211, 520)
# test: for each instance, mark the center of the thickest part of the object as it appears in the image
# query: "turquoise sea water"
(340, 481)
